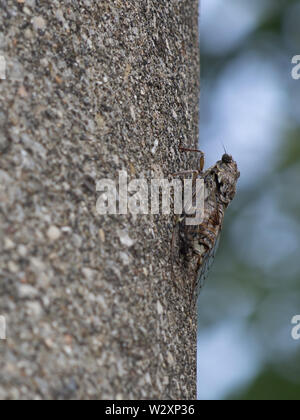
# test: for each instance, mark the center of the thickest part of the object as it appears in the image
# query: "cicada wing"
(203, 271)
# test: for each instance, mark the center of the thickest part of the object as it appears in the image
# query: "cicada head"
(227, 175)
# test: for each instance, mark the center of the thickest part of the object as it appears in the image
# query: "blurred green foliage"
(256, 276)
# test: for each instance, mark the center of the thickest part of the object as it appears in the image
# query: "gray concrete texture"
(91, 88)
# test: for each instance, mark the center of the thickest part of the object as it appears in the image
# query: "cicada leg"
(201, 159)
(192, 171)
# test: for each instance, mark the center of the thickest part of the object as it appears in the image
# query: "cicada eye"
(226, 158)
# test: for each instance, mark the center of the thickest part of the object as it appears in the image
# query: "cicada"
(198, 244)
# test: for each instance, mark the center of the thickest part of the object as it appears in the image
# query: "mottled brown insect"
(199, 243)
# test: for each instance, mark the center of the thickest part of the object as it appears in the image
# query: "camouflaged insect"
(199, 243)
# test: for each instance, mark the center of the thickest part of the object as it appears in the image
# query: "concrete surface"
(93, 87)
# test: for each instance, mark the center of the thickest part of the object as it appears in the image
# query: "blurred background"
(251, 104)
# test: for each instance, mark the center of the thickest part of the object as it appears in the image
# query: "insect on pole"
(198, 243)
